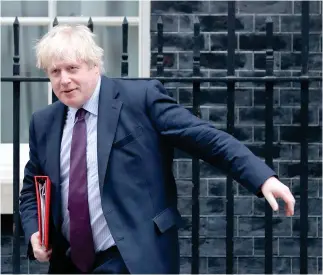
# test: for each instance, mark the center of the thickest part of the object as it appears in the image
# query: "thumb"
(35, 238)
(271, 200)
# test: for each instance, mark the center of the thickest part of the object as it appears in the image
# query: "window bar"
(160, 43)
(144, 38)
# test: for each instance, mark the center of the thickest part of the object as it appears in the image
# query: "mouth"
(68, 91)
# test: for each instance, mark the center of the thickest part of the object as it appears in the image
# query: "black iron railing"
(269, 81)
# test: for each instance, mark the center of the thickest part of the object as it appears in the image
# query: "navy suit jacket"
(138, 127)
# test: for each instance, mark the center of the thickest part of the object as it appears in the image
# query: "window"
(35, 18)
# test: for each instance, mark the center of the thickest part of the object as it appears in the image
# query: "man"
(107, 146)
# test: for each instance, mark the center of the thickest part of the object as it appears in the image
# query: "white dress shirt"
(101, 233)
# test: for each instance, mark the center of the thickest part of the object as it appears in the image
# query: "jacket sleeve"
(28, 201)
(201, 139)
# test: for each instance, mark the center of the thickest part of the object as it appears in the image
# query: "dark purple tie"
(81, 239)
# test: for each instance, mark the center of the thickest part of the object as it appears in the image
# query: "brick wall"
(249, 212)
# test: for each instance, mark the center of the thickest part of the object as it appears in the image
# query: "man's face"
(73, 82)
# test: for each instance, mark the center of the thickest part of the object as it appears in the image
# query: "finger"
(289, 200)
(288, 211)
(41, 256)
(49, 253)
(36, 248)
(41, 252)
(35, 240)
(271, 200)
(47, 257)
(37, 236)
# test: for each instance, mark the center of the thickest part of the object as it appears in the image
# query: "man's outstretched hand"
(272, 189)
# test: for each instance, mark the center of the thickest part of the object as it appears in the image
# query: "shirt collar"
(92, 104)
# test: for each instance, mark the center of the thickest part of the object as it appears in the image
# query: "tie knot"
(80, 114)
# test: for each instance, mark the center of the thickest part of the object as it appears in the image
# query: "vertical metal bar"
(90, 24)
(55, 22)
(54, 97)
(16, 160)
(124, 62)
(195, 161)
(304, 145)
(160, 43)
(269, 142)
(230, 130)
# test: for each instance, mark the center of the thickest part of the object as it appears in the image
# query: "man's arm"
(203, 140)
(216, 147)
(28, 200)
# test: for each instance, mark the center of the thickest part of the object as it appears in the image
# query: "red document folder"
(43, 189)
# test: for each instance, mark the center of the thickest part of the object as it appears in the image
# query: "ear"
(97, 70)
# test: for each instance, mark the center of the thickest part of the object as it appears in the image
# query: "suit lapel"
(108, 116)
(53, 146)
(54, 137)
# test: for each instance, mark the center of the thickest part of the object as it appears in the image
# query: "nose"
(65, 79)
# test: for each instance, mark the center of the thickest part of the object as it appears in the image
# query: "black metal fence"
(269, 81)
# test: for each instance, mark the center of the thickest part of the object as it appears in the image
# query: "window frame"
(142, 21)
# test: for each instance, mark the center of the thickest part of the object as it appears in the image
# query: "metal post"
(269, 143)
(90, 24)
(54, 97)
(195, 161)
(304, 142)
(16, 153)
(230, 130)
(124, 62)
(55, 22)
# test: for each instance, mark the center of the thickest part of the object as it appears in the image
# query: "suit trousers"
(106, 262)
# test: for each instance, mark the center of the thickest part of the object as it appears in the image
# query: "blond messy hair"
(68, 43)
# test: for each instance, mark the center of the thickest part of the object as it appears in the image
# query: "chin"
(76, 106)
(72, 103)
(70, 100)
